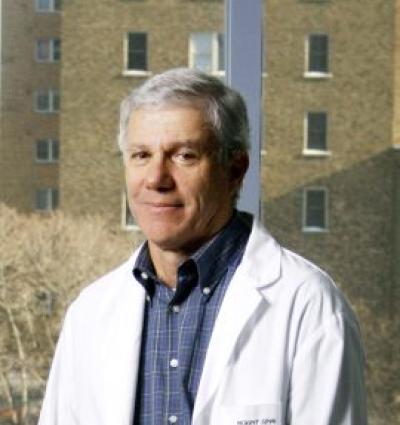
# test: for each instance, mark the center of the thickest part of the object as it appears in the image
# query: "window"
(48, 5)
(128, 221)
(48, 50)
(47, 101)
(206, 52)
(136, 52)
(46, 199)
(315, 203)
(315, 131)
(318, 55)
(47, 150)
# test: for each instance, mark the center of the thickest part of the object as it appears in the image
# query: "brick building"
(29, 103)
(330, 163)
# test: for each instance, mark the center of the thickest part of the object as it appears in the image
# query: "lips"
(162, 207)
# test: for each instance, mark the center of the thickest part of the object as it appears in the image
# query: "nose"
(158, 174)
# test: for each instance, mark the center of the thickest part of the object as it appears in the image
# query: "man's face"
(178, 192)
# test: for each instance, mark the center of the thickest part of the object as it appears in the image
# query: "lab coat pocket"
(257, 414)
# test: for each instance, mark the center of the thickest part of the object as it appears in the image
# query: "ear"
(238, 168)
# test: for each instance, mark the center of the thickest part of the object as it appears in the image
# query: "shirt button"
(174, 363)
(172, 419)
(176, 308)
(148, 298)
(144, 275)
(206, 290)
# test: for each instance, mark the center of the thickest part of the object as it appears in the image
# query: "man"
(210, 322)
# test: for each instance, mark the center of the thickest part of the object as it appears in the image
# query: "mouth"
(163, 206)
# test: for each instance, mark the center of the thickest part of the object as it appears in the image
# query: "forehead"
(162, 124)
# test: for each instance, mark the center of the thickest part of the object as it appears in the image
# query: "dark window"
(47, 150)
(42, 150)
(47, 101)
(318, 58)
(46, 199)
(56, 50)
(317, 130)
(137, 51)
(48, 5)
(315, 209)
(55, 151)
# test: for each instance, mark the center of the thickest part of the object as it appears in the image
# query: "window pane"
(54, 198)
(42, 150)
(55, 150)
(317, 126)
(57, 4)
(56, 100)
(43, 4)
(42, 50)
(42, 101)
(315, 209)
(41, 199)
(201, 43)
(318, 57)
(137, 51)
(56, 50)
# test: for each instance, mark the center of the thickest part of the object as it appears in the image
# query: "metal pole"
(243, 59)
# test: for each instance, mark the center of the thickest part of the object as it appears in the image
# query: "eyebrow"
(173, 144)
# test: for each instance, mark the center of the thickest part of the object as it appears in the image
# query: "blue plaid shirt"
(178, 324)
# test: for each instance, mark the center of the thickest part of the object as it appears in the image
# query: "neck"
(166, 264)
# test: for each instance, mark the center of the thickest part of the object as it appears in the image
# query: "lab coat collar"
(261, 264)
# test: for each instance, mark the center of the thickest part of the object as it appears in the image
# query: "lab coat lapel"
(260, 267)
(121, 358)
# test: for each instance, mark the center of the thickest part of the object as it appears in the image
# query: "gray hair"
(224, 108)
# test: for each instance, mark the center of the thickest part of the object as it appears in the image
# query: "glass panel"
(43, 5)
(42, 150)
(54, 198)
(317, 124)
(41, 199)
(55, 150)
(315, 214)
(201, 45)
(42, 50)
(318, 60)
(56, 50)
(56, 100)
(57, 4)
(137, 51)
(42, 101)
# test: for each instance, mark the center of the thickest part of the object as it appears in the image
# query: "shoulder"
(284, 275)
(106, 292)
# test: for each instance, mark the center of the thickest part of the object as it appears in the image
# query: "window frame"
(317, 74)
(215, 53)
(53, 145)
(315, 229)
(51, 49)
(53, 98)
(135, 71)
(52, 199)
(310, 151)
(52, 7)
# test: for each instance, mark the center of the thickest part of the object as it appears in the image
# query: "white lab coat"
(285, 349)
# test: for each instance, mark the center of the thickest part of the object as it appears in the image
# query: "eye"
(139, 156)
(186, 157)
